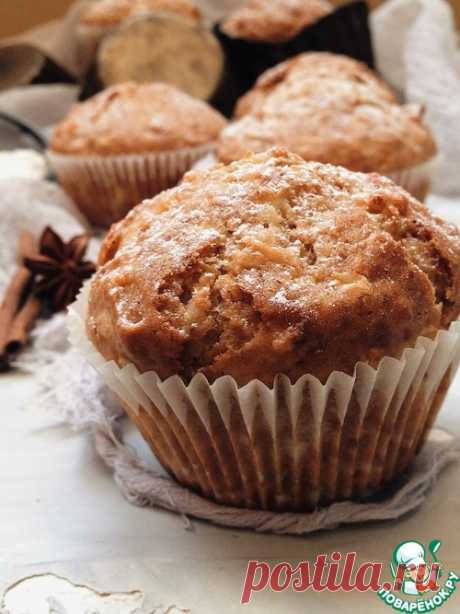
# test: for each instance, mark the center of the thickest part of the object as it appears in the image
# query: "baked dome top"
(311, 65)
(331, 109)
(275, 20)
(272, 264)
(107, 13)
(136, 118)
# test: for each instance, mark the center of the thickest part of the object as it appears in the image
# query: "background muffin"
(270, 264)
(332, 109)
(275, 21)
(110, 13)
(134, 118)
(99, 17)
(273, 32)
(128, 143)
(290, 76)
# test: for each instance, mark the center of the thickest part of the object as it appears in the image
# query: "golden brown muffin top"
(108, 13)
(313, 65)
(272, 264)
(274, 21)
(331, 109)
(136, 118)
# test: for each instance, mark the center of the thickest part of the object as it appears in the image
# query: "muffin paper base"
(143, 485)
(344, 31)
(294, 446)
(105, 188)
(416, 179)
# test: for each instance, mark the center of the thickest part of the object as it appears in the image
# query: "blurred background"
(20, 15)
(412, 43)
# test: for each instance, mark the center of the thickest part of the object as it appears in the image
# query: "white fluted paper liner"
(105, 188)
(292, 446)
(416, 179)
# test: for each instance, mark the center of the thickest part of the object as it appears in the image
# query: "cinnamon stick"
(21, 325)
(13, 305)
(11, 302)
(27, 246)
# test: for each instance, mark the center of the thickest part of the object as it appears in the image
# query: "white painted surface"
(48, 593)
(61, 513)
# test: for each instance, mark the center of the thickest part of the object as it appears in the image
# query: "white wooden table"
(62, 513)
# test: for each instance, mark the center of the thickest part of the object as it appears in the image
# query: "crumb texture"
(272, 264)
(331, 109)
(108, 13)
(136, 118)
(275, 21)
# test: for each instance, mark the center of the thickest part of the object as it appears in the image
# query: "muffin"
(128, 143)
(275, 21)
(110, 13)
(273, 32)
(282, 332)
(100, 17)
(294, 76)
(162, 48)
(333, 109)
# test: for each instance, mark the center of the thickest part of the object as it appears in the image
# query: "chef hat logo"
(410, 553)
(417, 562)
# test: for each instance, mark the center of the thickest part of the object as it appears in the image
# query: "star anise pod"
(59, 268)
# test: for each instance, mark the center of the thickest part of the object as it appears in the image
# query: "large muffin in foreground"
(273, 265)
(268, 262)
(129, 142)
(333, 109)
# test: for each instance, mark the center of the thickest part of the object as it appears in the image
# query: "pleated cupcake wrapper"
(344, 31)
(105, 188)
(416, 179)
(296, 445)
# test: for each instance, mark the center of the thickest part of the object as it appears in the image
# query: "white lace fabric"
(417, 52)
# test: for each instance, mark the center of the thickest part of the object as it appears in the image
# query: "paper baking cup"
(293, 446)
(416, 179)
(105, 188)
(344, 31)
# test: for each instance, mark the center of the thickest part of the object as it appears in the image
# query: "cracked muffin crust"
(136, 118)
(312, 65)
(331, 109)
(272, 264)
(109, 13)
(275, 21)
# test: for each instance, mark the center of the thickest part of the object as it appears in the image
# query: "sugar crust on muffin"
(330, 109)
(311, 65)
(275, 20)
(108, 13)
(136, 118)
(272, 264)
